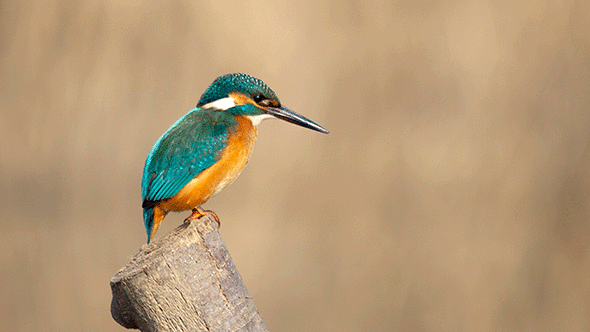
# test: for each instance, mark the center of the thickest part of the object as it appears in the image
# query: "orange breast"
(209, 182)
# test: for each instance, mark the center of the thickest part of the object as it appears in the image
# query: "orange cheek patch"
(242, 99)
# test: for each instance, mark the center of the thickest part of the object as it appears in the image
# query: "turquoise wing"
(190, 146)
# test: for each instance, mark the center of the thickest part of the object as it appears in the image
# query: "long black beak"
(293, 117)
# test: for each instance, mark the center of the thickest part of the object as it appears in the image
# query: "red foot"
(198, 213)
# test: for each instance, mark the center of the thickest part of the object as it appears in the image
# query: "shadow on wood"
(184, 281)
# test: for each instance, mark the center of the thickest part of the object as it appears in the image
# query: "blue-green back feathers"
(190, 146)
(196, 140)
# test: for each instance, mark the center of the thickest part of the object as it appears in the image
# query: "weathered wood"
(184, 281)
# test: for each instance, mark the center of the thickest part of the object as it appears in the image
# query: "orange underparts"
(210, 181)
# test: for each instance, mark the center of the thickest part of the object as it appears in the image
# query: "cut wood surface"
(184, 281)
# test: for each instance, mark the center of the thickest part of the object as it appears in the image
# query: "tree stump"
(184, 281)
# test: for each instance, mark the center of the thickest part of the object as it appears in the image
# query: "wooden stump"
(184, 281)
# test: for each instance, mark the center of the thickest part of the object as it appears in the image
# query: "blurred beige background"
(451, 195)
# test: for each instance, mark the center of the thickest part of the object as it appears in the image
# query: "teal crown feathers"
(222, 86)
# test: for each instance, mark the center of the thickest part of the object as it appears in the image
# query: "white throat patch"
(256, 119)
(222, 104)
(226, 103)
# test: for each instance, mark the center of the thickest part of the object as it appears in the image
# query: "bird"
(207, 148)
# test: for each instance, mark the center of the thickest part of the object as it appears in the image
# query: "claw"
(198, 213)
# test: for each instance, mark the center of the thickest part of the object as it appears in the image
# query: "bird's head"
(241, 94)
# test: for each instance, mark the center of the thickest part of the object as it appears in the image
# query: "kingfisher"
(207, 148)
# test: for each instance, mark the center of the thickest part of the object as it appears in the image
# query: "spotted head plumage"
(244, 95)
(249, 86)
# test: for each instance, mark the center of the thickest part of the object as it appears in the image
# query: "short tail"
(148, 220)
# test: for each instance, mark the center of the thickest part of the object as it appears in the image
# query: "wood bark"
(184, 281)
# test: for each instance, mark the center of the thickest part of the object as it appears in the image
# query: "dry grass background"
(451, 195)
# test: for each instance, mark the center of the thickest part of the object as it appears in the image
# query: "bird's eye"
(258, 98)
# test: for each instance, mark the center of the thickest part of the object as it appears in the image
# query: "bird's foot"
(198, 213)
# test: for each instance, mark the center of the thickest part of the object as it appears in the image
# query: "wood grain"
(184, 281)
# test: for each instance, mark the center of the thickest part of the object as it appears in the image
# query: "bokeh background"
(451, 195)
